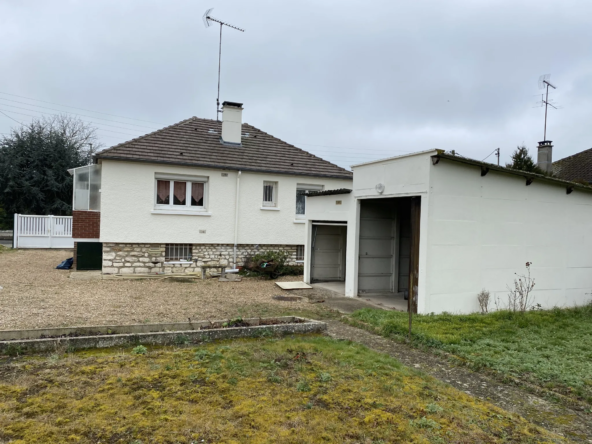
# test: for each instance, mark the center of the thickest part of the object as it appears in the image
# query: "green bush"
(280, 257)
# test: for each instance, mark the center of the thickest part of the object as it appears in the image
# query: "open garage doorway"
(328, 248)
(389, 251)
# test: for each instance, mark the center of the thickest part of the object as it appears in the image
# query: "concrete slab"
(336, 287)
(390, 301)
(293, 285)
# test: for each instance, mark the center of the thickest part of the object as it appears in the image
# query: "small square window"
(269, 194)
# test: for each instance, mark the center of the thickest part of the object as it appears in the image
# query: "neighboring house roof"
(328, 192)
(577, 167)
(196, 142)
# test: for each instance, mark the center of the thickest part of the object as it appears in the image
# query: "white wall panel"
(514, 223)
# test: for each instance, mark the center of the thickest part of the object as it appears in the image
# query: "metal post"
(15, 232)
(219, 65)
(546, 106)
(50, 230)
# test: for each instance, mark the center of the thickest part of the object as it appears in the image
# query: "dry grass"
(294, 390)
(36, 295)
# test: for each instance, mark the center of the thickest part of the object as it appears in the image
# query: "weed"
(324, 377)
(139, 350)
(424, 423)
(181, 340)
(303, 386)
(434, 408)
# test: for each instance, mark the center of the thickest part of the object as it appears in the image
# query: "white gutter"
(236, 221)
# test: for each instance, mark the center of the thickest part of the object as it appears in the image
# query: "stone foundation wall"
(150, 258)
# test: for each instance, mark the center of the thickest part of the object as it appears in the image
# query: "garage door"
(328, 253)
(376, 260)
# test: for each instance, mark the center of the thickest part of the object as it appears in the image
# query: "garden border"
(102, 336)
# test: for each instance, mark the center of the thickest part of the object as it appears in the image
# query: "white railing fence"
(42, 231)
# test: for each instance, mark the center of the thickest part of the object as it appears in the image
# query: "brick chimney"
(545, 156)
(232, 122)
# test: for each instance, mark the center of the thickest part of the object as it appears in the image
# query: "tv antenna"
(208, 19)
(545, 84)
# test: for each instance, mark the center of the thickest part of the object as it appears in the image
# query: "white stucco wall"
(326, 208)
(482, 230)
(127, 199)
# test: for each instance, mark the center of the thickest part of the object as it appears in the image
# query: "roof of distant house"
(196, 142)
(576, 167)
(328, 192)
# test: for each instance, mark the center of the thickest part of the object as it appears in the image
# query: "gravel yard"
(36, 295)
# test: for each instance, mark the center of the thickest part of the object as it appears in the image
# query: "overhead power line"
(83, 109)
(67, 112)
(28, 115)
(11, 117)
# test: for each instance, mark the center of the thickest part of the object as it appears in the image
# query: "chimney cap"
(235, 104)
(544, 143)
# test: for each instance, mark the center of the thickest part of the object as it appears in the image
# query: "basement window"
(300, 253)
(178, 252)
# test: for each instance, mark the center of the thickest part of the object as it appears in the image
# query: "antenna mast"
(207, 19)
(545, 84)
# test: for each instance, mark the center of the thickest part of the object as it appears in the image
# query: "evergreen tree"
(522, 161)
(34, 161)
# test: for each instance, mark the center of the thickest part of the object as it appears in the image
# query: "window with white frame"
(181, 193)
(299, 253)
(178, 252)
(270, 191)
(301, 190)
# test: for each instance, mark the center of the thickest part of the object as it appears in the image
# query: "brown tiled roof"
(577, 167)
(197, 142)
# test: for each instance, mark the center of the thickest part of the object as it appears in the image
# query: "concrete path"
(572, 423)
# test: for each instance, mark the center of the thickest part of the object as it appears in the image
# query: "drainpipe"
(236, 218)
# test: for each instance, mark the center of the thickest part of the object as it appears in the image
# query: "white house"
(200, 191)
(451, 227)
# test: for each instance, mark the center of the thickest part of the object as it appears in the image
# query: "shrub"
(483, 299)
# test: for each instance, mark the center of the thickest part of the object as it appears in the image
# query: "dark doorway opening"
(389, 250)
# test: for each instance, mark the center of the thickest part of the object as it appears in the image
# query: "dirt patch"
(36, 295)
(576, 425)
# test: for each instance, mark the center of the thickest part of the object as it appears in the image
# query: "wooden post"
(414, 259)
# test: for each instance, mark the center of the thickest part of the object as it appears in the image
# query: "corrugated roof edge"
(328, 192)
(229, 167)
(492, 167)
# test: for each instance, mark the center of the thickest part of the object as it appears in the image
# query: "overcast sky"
(347, 80)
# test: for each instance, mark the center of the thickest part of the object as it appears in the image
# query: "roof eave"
(492, 167)
(228, 167)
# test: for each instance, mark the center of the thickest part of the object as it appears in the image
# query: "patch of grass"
(4, 249)
(251, 390)
(551, 348)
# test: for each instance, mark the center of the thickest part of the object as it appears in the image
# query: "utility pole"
(497, 153)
